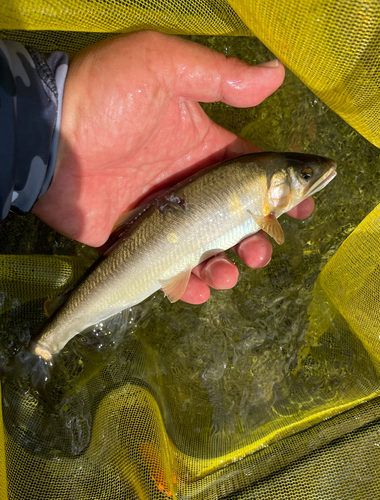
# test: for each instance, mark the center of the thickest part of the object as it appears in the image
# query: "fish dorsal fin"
(126, 217)
(51, 305)
(175, 287)
(122, 225)
(270, 225)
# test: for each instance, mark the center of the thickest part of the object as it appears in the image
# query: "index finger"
(303, 210)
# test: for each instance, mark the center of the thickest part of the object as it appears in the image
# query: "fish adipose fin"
(175, 287)
(270, 225)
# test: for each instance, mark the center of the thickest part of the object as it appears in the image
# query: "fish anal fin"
(51, 305)
(175, 287)
(270, 225)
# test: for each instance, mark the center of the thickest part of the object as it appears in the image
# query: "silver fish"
(200, 217)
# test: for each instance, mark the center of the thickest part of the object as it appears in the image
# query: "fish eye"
(306, 173)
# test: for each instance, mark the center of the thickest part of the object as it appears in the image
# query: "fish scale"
(205, 214)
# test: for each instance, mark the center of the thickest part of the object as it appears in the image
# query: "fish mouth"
(320, 183)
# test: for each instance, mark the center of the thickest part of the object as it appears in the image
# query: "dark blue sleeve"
(31, 92)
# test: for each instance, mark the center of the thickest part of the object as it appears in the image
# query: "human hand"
(131, 125)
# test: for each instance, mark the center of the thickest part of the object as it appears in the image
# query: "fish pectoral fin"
(175, 287)
(51, 305)
(270, 225)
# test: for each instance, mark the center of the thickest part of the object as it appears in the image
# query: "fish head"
(300, 177)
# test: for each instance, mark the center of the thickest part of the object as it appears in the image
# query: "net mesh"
(270, 390)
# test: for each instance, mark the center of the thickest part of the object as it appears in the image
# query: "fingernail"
(269, 64)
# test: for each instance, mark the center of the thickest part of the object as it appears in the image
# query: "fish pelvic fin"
(175, 287)
(270, 225)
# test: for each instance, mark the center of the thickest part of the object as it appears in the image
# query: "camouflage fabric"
(31, 91)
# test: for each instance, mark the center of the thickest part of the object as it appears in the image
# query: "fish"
(157, 245)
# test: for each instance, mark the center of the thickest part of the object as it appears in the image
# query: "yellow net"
(3, 469)
(123, 16)
(270, 390)
(356, 263)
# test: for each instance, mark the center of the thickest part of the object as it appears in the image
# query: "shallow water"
(224, 373)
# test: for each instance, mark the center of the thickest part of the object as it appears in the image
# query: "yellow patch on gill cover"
(172, 238)
(267, 209)
(234, 204)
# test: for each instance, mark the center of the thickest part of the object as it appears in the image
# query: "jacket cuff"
(31, 93)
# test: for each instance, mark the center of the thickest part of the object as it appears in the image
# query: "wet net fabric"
(270, 390)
